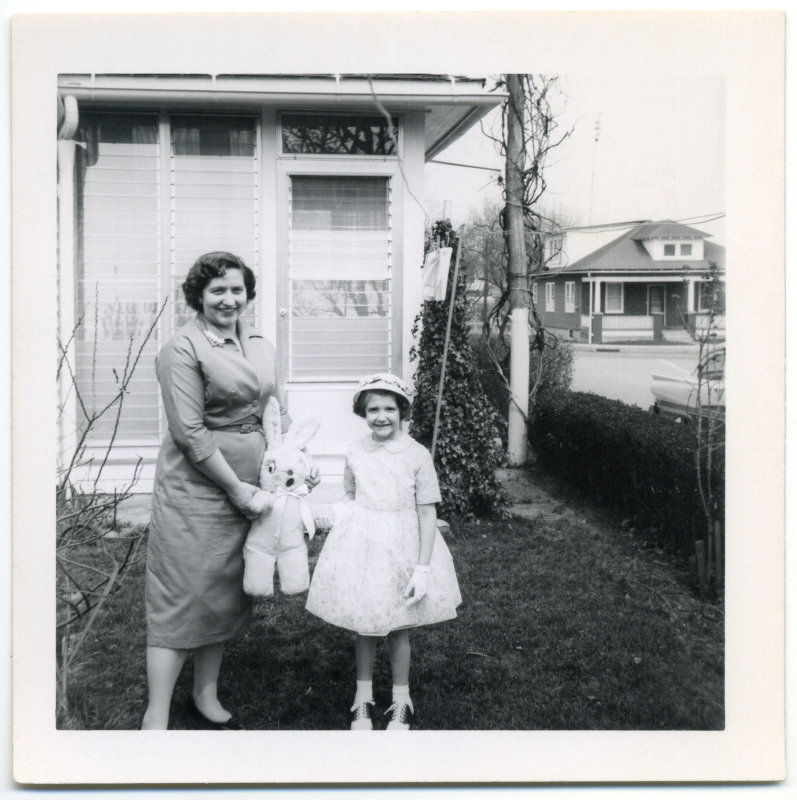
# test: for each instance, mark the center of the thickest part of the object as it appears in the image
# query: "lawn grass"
(565, 625)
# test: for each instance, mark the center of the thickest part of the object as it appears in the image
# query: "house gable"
(642, 250)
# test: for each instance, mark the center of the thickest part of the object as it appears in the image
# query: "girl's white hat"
(385, 382)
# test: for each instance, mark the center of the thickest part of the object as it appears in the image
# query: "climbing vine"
(468, 446)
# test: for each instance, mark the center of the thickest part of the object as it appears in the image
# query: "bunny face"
(285, 467)
(286, 462)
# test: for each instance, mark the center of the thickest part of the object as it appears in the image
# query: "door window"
(655, 299)
(340, 274)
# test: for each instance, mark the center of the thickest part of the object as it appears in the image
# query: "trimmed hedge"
(638, 464)
(557, 370)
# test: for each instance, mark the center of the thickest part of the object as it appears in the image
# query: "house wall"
(560, 320)
(331, 399)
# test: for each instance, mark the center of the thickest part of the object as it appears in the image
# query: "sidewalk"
(652, 348)
(528, 499)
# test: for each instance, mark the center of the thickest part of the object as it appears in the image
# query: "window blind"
(118, 228)
(133, 246)
(214, 197)
(339, 277)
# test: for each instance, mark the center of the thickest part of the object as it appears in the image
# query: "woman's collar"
(397, 445)
(214, 337)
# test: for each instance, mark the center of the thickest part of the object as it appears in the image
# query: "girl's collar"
(397, 445)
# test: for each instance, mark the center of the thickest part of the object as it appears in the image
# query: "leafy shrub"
(468, 449)
(639, 464)
(557, 370)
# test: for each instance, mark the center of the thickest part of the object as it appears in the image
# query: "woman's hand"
(248, 499)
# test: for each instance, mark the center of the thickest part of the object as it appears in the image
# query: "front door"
(656, 301)
(337, 298)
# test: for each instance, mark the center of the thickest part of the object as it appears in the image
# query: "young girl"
(384, 567)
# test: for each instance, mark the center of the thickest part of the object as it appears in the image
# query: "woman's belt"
(250, 425)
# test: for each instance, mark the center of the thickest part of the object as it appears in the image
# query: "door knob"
(283, 312)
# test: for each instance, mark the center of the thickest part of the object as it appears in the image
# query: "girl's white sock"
(402, 694)
(364, 693)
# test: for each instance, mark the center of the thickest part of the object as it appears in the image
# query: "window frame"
(336, 166)
(606, 309)
(570, 297)
(164, 121)
(555, 244)
(685, 249)
(701, 294)
(550, 297)
(337, 156)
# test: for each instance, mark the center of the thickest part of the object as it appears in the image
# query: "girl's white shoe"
(401, 716)
(361, 714)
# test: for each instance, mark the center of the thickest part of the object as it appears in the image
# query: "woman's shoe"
(401, 716)
(361, 716)
(205, 724)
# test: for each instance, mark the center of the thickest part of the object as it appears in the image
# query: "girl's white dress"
(368, 557)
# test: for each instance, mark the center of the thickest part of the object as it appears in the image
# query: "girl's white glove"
(330, 515)
(416, 588)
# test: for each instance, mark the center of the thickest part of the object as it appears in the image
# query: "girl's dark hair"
(210, 266)
(402, 403)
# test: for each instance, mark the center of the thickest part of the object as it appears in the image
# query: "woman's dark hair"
(402, 403)
(210, 266)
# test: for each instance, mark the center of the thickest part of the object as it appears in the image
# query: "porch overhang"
(452, 104)
(650, 278)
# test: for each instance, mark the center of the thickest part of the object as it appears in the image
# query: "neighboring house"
(305, 177)
(639, 286)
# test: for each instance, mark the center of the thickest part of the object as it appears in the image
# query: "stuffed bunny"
(277, 535)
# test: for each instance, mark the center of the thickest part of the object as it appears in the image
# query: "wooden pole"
(517, 431)
(700, 555)
(446, 342)
(718, 553)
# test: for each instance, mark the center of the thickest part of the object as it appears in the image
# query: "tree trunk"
(519, 297)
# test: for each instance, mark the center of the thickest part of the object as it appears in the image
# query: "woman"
(216, 376)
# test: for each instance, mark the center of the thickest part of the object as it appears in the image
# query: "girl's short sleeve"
(427, 489)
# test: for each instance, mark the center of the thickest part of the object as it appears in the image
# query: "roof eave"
(475, 113)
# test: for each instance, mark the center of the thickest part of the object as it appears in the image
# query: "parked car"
(703, 389)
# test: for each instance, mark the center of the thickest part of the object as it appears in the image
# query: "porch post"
(67, 416)
(591, 307)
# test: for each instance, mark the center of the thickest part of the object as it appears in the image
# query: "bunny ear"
(272, 425)
(300, 433)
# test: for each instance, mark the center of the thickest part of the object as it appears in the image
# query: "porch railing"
(631, 326)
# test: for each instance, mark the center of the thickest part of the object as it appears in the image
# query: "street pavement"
(623, 372)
